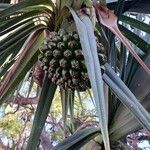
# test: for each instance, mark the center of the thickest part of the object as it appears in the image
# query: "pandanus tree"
(77, 45)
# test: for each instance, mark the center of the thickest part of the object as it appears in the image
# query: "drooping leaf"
(17, 82)
(124, 122)
(44, 104)
(90, 94)
(28, 50)
(113, 50)
(65, 103)
(88, 43)
(134, 107)
(139, 6)
(64, 12)
(33, 5)
(109, 71)
(135, 23)
(20, 20)
(126, 97)
(108, 19)
(135, 39)
(77, 140)
(9, 41)
(126, 128)
(71, 109)
(13, 49)
(6, 67)
(140, 84)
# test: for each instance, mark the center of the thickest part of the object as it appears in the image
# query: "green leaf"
(19, 78)
(19, 34)
(88, 43)
(80, 100)
(13, 50)
(4, 6)
(126, 97)
(77, 140)
(20, 20)
(30, 5)
(135, 23)
(139, 6)
(11, 38)
(64, 102)
(135, 39)
(67, 100)
(44, 104)
(6, 67)
(91, 97)
(123, 117)
(31, 86)
(64, 12)
(109, 19)
(130, 69)
(15, 27)
(140, 84)
(71, 108)
(134, 107)
(29, 49)
(124, 122)
(109, 71)
(124, 130)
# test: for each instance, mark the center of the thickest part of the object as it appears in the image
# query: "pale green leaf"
(29, 49)
(42, 111)
(77, 140)
(88, 43)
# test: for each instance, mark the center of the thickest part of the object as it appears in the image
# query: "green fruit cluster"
(61, 55)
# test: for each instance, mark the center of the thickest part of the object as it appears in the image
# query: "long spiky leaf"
(85, 30)
(77, 140)
(21, 61)
(128, 99)
(17, 37)
(27, 4)
(135, 23)
(109, 71)
(135, 39)
(21, 20)
(109, 20)
(45, 101)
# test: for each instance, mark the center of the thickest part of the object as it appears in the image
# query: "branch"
(45, 141)
(23, 100)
